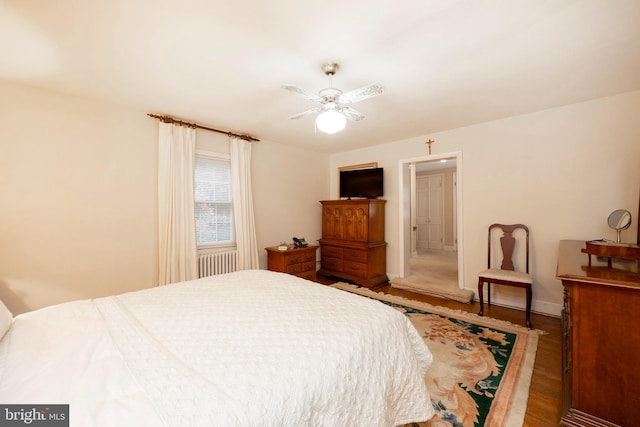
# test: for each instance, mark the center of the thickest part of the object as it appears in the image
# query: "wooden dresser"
(601, 339)
(352, 245)
(300, 262)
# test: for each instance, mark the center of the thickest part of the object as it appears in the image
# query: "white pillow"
(5, 319)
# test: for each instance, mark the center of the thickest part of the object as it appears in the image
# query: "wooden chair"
(506, 274)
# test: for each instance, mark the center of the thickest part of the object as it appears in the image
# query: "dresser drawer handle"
(354, 255)
(294, 260)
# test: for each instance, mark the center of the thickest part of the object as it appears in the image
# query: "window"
(213, 205)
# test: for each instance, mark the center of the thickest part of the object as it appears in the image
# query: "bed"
(252, 348)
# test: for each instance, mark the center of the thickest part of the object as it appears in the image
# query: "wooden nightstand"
(299, 262)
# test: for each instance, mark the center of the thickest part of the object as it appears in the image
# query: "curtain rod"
(167, 119)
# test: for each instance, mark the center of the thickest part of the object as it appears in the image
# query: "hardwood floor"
(545, 393)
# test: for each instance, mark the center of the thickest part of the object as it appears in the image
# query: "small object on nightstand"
(299, 243)
(283, 246)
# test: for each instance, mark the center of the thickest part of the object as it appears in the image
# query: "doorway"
(430, 212)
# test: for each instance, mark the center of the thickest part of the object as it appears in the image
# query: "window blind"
(213, 204)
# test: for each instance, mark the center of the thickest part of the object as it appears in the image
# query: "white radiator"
(211, 263)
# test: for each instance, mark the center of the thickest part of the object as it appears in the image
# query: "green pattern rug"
(481, 368)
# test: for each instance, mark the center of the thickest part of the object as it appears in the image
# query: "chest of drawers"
(352, 244)
(600, 341)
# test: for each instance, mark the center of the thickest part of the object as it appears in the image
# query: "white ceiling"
(443, 63)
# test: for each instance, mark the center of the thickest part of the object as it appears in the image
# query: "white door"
(422, 212)
(436, 211)
(429, 211)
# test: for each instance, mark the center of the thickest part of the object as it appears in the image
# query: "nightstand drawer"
(301, 267)
(291, 259)
(355, 255)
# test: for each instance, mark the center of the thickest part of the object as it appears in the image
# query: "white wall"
(77, 188)
(288, 185)
(560, 171)
(78, 197)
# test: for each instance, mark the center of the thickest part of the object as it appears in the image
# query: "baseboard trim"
(538, 307)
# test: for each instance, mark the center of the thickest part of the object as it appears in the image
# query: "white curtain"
(177, 229)
(243, 204)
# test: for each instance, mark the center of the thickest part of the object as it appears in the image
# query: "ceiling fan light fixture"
(335, 105)
(331, 122)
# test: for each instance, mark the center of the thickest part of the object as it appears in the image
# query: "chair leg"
(529, 297)
(480, 285)
(489, 294)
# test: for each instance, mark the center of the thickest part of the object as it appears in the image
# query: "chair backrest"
(507, 243)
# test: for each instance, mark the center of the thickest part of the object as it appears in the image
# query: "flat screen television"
(367, 183)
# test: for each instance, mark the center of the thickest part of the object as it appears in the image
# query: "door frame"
(406, 190)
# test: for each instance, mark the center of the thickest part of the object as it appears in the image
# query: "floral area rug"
(481, 368)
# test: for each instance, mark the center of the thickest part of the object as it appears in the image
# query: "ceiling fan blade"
(304, 93)
(362, 93)
(304, 113)
(352, 114)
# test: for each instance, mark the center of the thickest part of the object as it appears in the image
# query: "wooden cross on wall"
(429, 142)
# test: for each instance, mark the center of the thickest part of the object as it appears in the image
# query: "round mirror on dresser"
(619, 220)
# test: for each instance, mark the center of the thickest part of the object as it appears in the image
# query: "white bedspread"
(253, 348)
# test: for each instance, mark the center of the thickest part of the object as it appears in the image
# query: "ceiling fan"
(334, 108)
